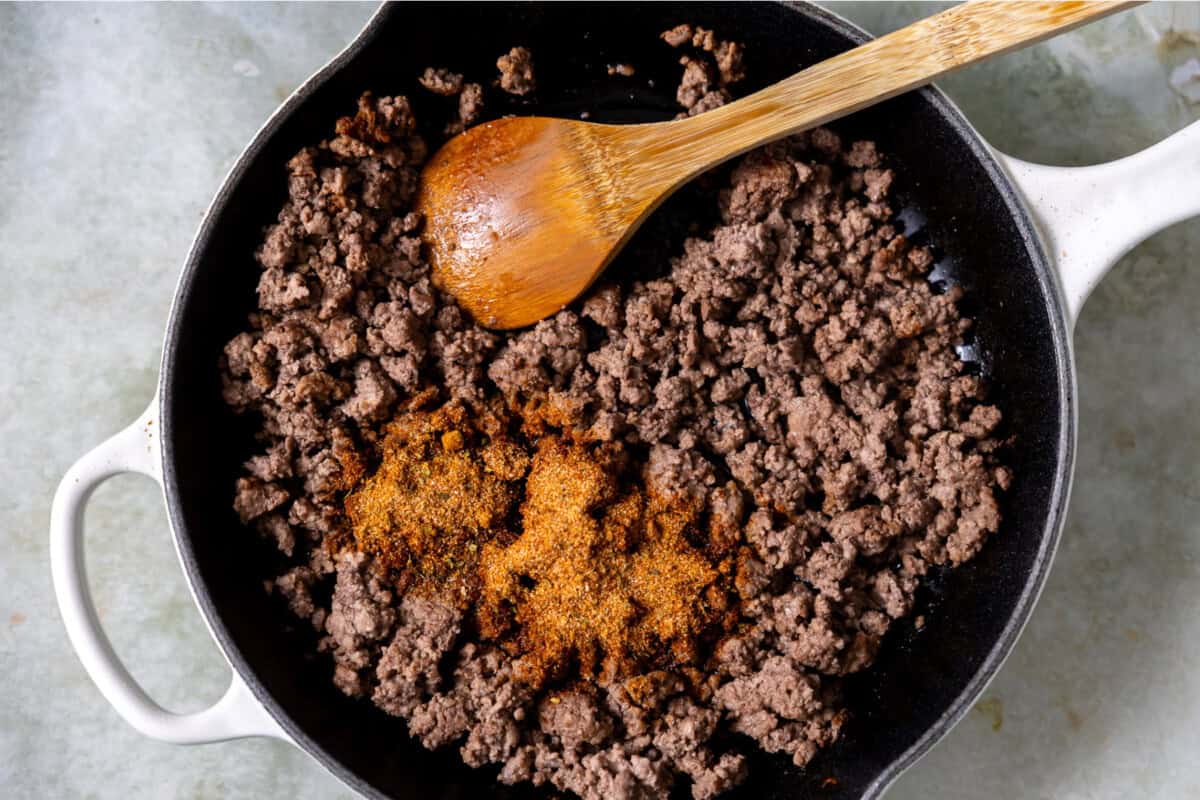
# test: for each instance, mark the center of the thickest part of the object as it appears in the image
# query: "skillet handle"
(238, 713)
(1091, 216)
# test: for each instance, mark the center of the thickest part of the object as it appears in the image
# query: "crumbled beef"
(790, 372)
(707, 75)
(677, 36)
(275, 527)
(729, 62)
(275, 464)
(614, 773)
(296, 587)
(255, 498)
(470, 104)
(361, 615)
(442, 81)
(373, 394)
(698, 90)
(516, 71)
(783, 708)
(575, 719)
(408, 669)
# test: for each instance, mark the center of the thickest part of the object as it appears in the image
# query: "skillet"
(955, 192)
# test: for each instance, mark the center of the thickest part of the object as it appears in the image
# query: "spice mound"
(605, 578)
(443, 489)
(598, 578)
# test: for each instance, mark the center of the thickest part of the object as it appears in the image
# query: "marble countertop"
(118, 122)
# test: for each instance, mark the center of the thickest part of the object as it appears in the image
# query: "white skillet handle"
(238, 713)
(1091, 216)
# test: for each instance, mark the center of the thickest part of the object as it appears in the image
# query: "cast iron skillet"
(954, 194)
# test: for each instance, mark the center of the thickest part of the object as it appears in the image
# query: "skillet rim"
(1048, 283)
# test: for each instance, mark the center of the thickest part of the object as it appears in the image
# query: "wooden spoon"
(522, 214)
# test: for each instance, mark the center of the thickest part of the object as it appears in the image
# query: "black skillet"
(921, 682)
(955, 196)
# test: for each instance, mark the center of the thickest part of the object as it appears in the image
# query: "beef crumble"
(516, 71)
(440, 80)
(791, 373)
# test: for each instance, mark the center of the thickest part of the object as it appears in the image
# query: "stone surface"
(1102, 694)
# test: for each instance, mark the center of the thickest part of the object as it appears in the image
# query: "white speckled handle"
(238, 713)
(1091, 216)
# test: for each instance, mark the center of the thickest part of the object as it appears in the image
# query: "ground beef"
(790, 374)
(516, 71)
(361, 615)
(442, 81)
(407, 670)
(470, 104)
(716, 65)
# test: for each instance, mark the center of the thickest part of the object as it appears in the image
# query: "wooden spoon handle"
(875, 71)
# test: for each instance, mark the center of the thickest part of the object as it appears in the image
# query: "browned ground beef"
(792, 367)
(516, 71)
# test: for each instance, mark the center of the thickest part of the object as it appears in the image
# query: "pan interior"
(950, 196)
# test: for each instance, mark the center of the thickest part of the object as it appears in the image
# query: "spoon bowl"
(523, 213)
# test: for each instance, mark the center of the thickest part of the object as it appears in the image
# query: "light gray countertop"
(117, 123)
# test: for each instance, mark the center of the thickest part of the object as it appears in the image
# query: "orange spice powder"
(441, 491)
(603, 578)
(598, 579)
